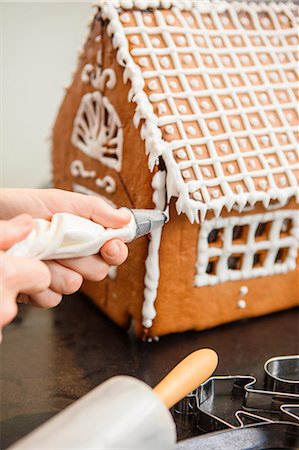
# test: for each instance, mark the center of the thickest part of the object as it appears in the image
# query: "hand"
(66, 276)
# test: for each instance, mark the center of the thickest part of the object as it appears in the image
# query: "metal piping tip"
(148, 220)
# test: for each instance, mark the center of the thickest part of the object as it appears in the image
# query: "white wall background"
(38, 51)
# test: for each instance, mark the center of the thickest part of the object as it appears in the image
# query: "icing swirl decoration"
(98, 131)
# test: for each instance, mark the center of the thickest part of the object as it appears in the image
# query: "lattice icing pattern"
(216, 84)
(249, 246)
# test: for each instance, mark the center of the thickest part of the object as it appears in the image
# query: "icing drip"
(112, 273)
(152, 269)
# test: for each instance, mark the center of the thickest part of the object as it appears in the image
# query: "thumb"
(14, 230)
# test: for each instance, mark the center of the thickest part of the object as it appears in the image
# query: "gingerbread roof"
(215, 87)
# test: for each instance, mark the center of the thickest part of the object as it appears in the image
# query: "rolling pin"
(123, 412)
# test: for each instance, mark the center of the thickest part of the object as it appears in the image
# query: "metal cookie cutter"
(233, 402)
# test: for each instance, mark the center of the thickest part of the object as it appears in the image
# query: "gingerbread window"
(235, 248)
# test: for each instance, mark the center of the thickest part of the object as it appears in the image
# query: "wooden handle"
(190, 373)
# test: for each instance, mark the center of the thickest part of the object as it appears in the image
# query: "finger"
(14, 230)
(88, 206)
(114, 252)
(46, 299)
(8, 309)
(92, 268)
(24, 275)
(64, 280)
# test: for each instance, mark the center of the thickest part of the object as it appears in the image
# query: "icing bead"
(275, 40)
(208, 21)
(206, 172)
(291, 157)
(147, 20)
(165, 62)
(263, 98)
(205, 105)
(257, 40)
(231, 168)
(187, 59)
(245, 100)
(186, 174)
(190, 20)
(217, 82)
(226, 60)
(194, 83)
(170, 19)
(228, 102)
(125, 18)
(294, 40)
(262, 184)
(169, 129)
(191, 130)
(197, 196)
(239, 189)
(153, 85)
(264, 57)
(236, 123)
(199, 150)
(162, 109)
(254, 121)
(243, 290)
(265, 140)
(213, 126)
(266, 22)
(215, 193)
(284, 138)
(274, 76)
(225, 20)
(252, 163)
(181, 40)
(181, 154)
(237, 40)
(272, 118)
(200, 41)
(224, 148)
(271, 161)
(283, 19)
(182, 109)
(209, 60)
(235, 81)
(173, 84)
(243, 143)
(290, 117)
(143, 62)
(155, 42)
(245, 21)
(283, 181)
(291, 76)
(242, 304)
(218, 42)
(135, 40)
(245, 59)
(254, 78)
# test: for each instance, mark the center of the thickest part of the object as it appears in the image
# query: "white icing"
(191, 130)
(97, 77)
(135, 40)
(112, 273)
(182, 109)
(165, 62)
(186, 174)
(169, 129)
(155, 42)
(152, 269)
(97, 130)
(230, 85)
(205, 105)
(78, 170)
(143, 62)
(162, 109)
(213, 125)
(244, 290)
(247, 249)
(242, 303)
(187, 59)
(107, 183)
(181, 154)
(231, 168)
(153, 85)
(181, 40)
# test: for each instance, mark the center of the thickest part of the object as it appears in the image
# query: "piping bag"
(123, 412)
(71, 236)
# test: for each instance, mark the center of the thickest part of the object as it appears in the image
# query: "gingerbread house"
(190, 106)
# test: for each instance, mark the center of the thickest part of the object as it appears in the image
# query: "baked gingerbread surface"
(194, 102)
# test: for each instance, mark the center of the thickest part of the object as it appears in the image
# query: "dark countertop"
(51, 358)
